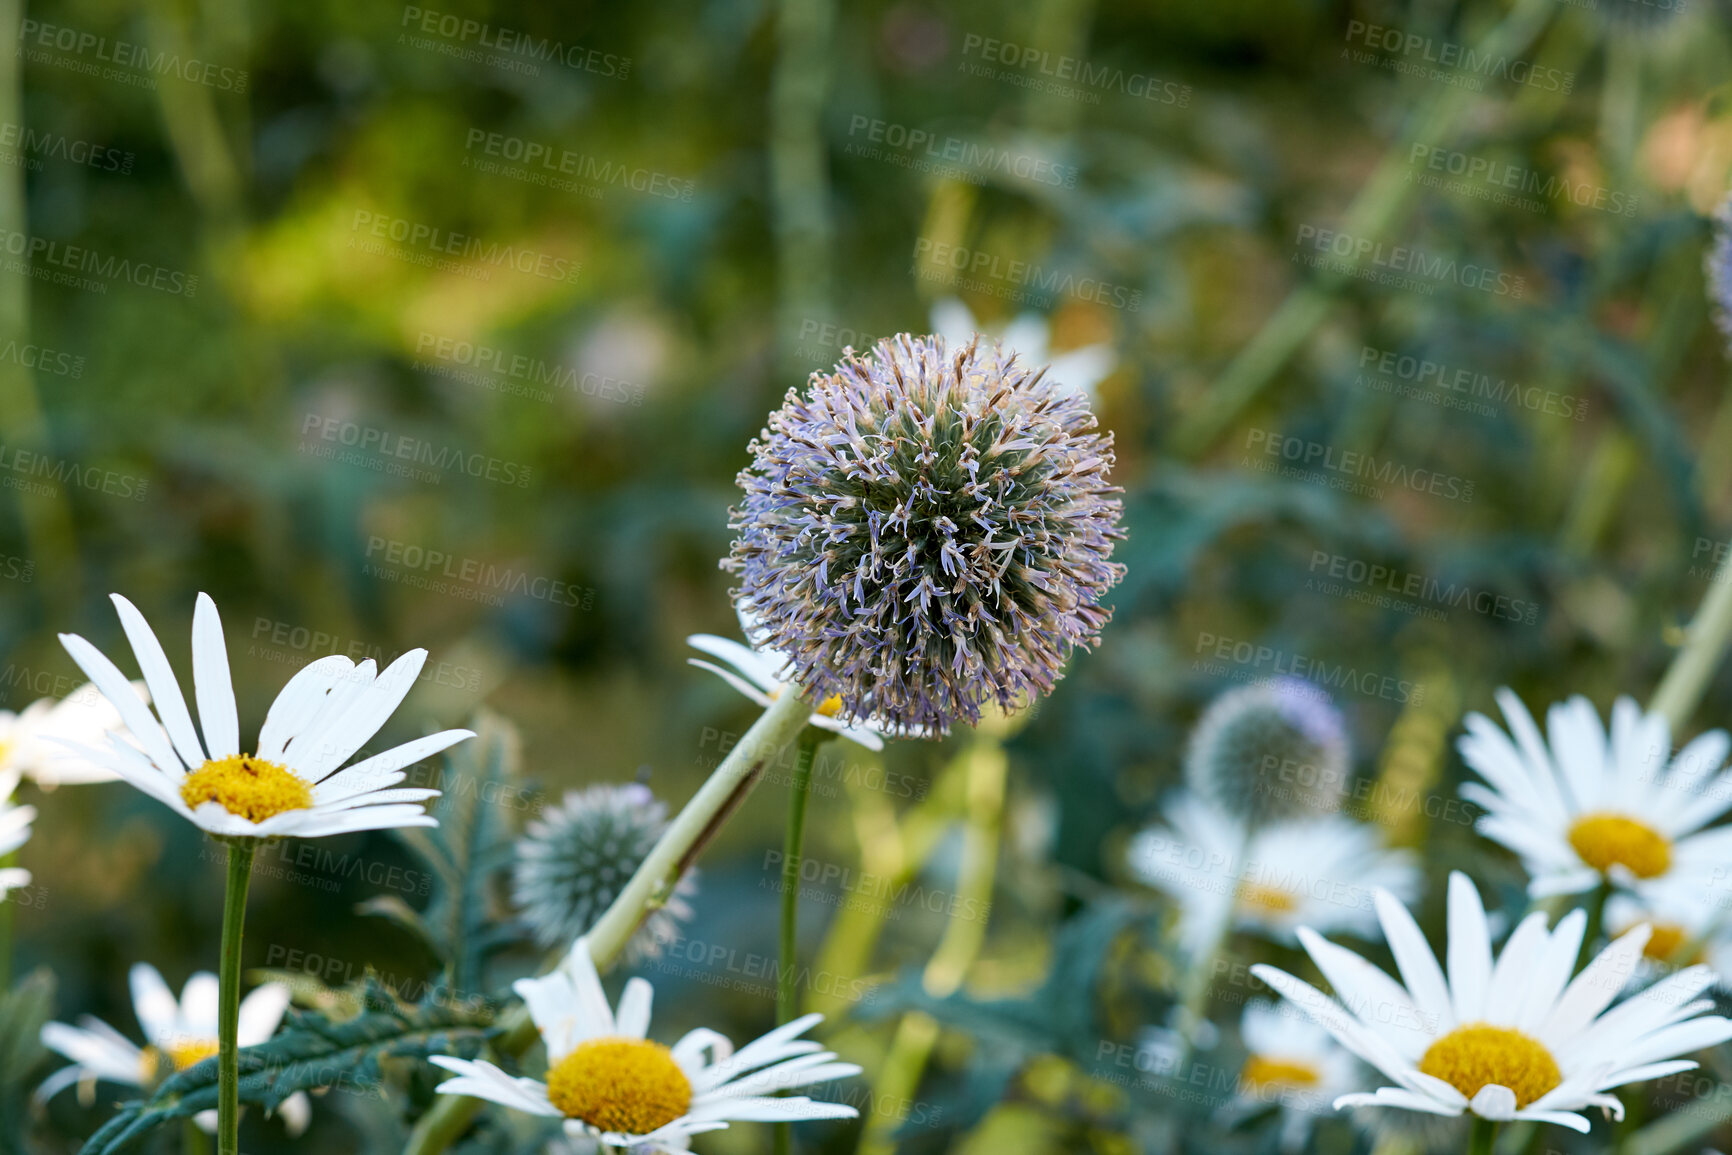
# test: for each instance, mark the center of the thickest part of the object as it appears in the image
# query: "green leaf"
(314, 1051)
(23, 1011)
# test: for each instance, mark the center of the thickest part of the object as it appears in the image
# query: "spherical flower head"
(1717, 265)
(576, 858)
(1277, 749)
(928, 530)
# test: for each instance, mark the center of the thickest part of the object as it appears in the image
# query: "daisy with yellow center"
(1291, 1064)
(34, 741)
(609, 1082)
(1580, 805)
(1690, 924)
(293, 782)
(759, 674)
(1311, 871)
(179, 1033)
(1510, 1037)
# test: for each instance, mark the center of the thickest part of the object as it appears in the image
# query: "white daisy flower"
(1030, 337)
(1682, 916)
(33, 741)
(14, 832)
(178, 1034)
(758, 674)
(1310, 871)
(291, 784)
(1589, 806)
(1291, 1063)
(1507, 1038)
(609, 1082)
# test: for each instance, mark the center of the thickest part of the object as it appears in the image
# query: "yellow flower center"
(829, 707)
(1267, 899)
(1267, 1071)
(1603, 840)
(631, 1086)
(185, 1052)
(1478, 1055)
(1666, 940)
(247, 786)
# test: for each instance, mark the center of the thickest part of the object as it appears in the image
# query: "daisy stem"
(793, 848)
(6, 862)
(229, 1009)
(193, 1141)
(1596, 920)
(1687, 678)
(1484, 1135)
(656, 876)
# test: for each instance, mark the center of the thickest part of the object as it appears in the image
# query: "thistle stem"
(793, 849)
(229, 1008)
(1687, 679)
(1483, 1137)
(656, 876)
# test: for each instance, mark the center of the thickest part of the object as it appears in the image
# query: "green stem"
(1484, 1135)
(655, 879)
(1596, 921)
(1686, 681)
(193, 1141)
(6, 917)
(229, 1008)
(1374, 211)
(793, 849)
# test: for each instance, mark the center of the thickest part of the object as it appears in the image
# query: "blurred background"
(392, 326)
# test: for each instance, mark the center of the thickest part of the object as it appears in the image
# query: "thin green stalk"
(654, 881)
(793, 851)
(6, 917)
(229, 1008)
(193, 1141)
(1380, 203)
(1484, 1135)
(1596, 921)
(1686, 681)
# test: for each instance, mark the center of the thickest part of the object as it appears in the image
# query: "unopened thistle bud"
(576, 858)
(927, 530)
(1277, 749)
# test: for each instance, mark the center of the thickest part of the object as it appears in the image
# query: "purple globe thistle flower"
(928, 530)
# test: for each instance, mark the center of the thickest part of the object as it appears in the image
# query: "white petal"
(299, 702)
(261, 1012)
(1419, 969)
(140, 722)
(632, 1019)
(210, 680)
(159, 676)
(1469, 949)
(155, 1005)
(485, 1081)
(370, 710)
(1494, 1102)
(371, 773)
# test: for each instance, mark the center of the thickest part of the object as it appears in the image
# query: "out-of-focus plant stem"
(1687, 679)
(1381, 203)
(793, 852)
(6, 862)
(47, 517)
(652, 884)
(799, 174)
(916, 1033)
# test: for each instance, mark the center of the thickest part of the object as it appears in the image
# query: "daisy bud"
(1277, 749)
(926, 531)
(576, 858)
